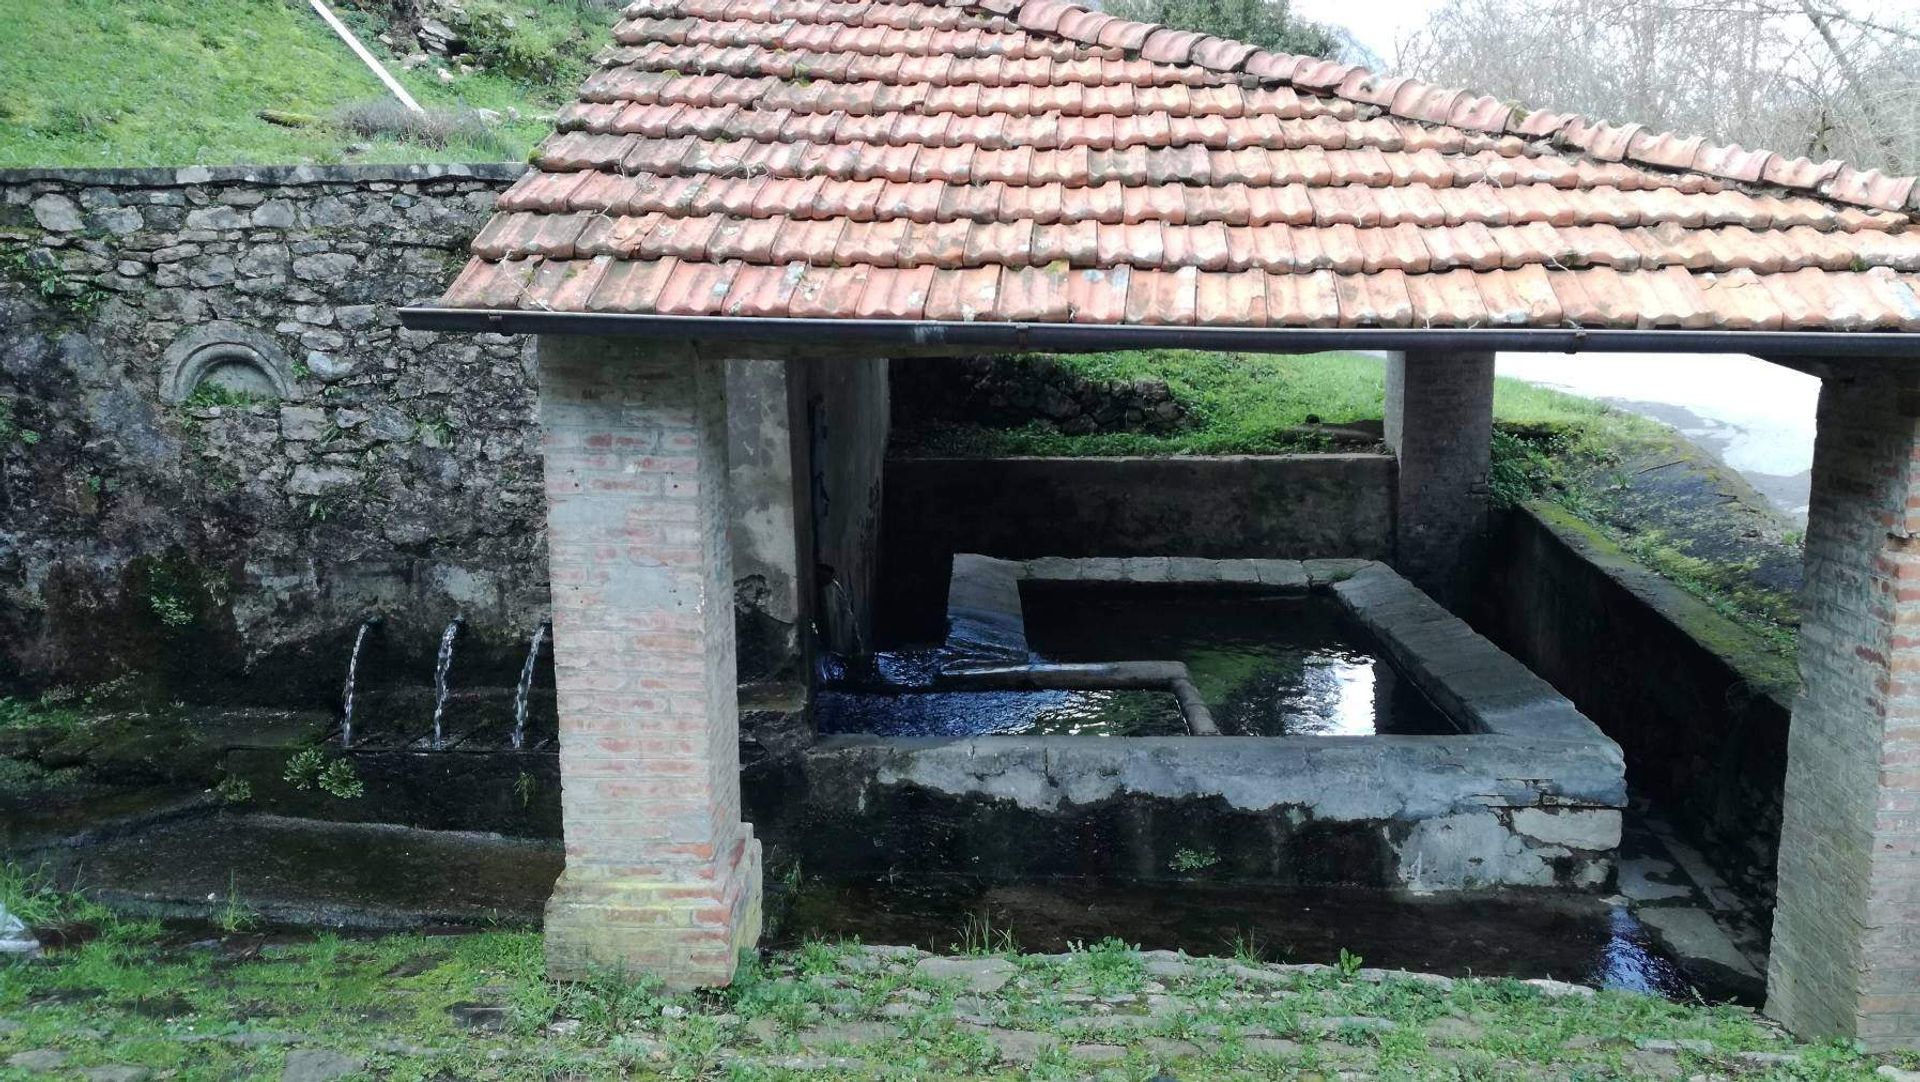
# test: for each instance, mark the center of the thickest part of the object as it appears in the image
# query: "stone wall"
(1270, 507)
(221, 451)
(1698, 705)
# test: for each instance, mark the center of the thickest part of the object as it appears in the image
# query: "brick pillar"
(1846, 931)
(662, 877)
(1439, 415)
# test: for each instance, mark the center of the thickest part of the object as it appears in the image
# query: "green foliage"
(167, 596)
(1267, 23)
(1525, 465)
(1186, 860)
(978, 937)
(1111, 966)
(547, 47)
(233, 789)
(1349, 963)
(38, 270)
(313, 768)
(1727, 587)
(232, 914)
(524, 786)
(11, 430)
(46, 711)
(32, 895)
(1240, 403)
(208, 395)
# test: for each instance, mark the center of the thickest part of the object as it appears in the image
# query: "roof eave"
(923, 335)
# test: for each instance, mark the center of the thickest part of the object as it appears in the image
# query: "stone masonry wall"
(219, 451)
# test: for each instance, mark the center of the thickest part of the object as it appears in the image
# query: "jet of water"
(353, 669)
(526, 686)
(441, 666)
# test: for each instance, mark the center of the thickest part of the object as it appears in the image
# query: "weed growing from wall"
(40, 272)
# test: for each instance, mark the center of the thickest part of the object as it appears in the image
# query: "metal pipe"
(366, 57)
(1087, 337)
(1194, 708)
(1066, 676)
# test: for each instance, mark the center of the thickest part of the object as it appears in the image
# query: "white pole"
(366, 57)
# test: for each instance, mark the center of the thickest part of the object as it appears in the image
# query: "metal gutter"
(1091, 337)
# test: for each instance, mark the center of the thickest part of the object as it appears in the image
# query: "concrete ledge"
(1401, 813)
(1466, 675)
(1407, 777)
(187, 176)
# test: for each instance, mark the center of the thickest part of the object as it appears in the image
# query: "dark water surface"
(1564, 937)
(1267, 666)
(1005, 713)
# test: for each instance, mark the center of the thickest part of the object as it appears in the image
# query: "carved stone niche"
(228, 356)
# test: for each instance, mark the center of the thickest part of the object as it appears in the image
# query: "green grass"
(190, 1001)
(182, 82)
(1242, 403)
(1249, 403)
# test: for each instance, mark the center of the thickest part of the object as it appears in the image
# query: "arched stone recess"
(229, 356)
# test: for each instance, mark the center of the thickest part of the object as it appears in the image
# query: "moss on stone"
(1763, 660)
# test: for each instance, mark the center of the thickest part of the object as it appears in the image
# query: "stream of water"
(442, 665)
(353, 672)
(525, 687)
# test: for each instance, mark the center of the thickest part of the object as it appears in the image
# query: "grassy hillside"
(182, 82)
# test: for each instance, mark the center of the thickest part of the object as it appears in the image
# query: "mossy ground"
(1664, 502)
(238, 1002)
(117, 83)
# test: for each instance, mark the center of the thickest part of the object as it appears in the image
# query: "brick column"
(1846, 931)
(1439, 423)
(662, 877)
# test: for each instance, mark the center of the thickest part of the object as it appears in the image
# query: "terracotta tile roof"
(1032, 160)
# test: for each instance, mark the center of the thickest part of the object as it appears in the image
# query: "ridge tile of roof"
(1040, 161)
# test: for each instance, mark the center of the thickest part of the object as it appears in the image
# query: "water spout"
(526, 686)
(353, 670)
(441, 666)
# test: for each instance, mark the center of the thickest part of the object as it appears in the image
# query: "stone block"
(1596, 829)
(57, 214)
(302, 423)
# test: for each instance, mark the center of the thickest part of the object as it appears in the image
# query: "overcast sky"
(1380, 24)
(1383, 22)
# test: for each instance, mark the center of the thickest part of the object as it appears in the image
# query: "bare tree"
(1824, 78)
